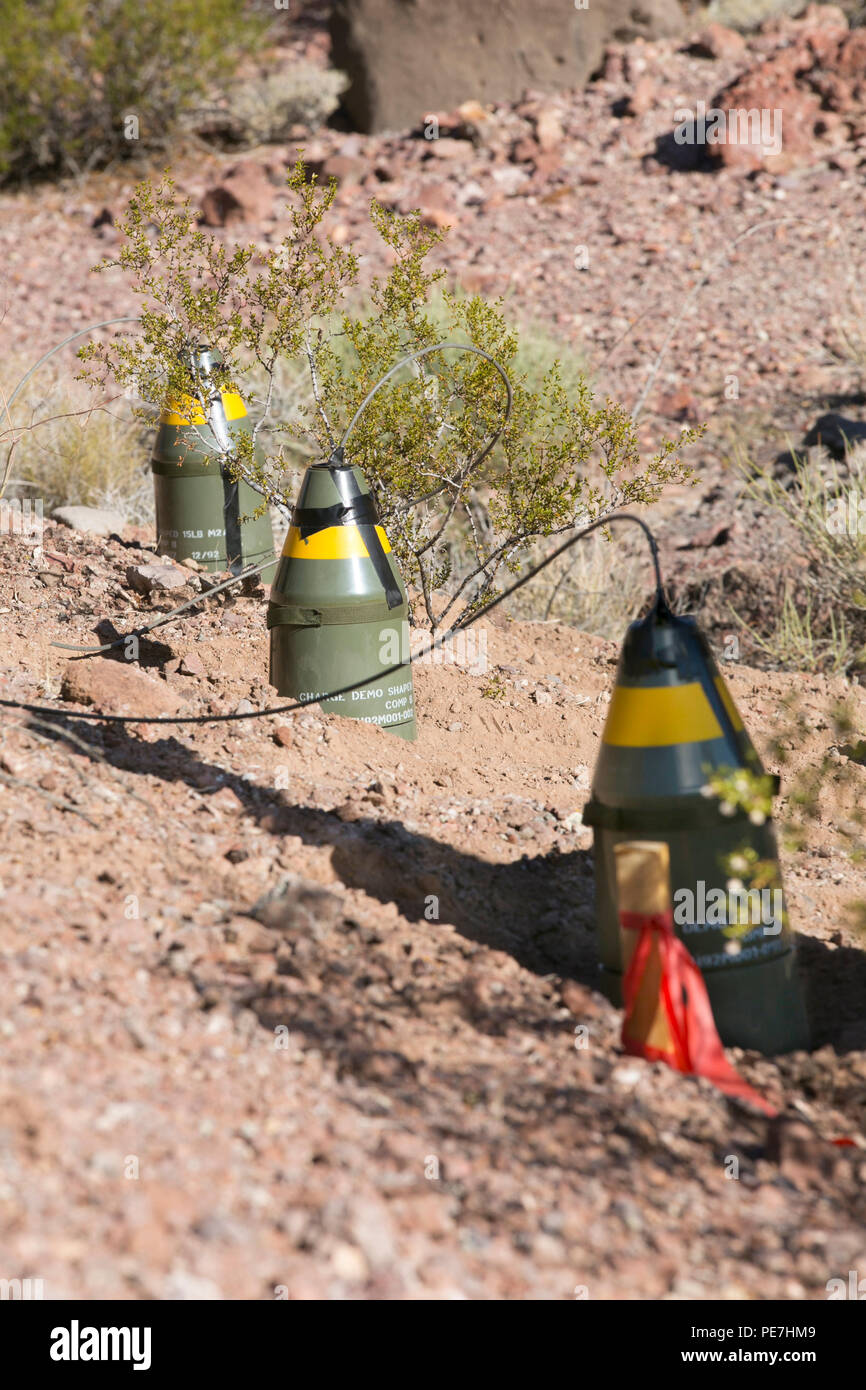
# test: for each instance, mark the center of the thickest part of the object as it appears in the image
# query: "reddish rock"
(545, 165)
(436, 204)
(678, 404)
(118, 687)
(347, 169)
(525, 150)
(447, 148)
(713, 535)
(820, 18)
(226, 801)
(642, 98)
(232, 621)
(851, 58)
(249, 935)
(160, 576)
(819, 75)
(246, 194)
(10, 764)
(758, 137)
(192, 665)
(717, 41)
(548, 128)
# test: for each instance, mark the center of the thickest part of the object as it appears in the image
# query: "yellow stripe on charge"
(659, 715)
(733, 712)
(232, 404)
(334, 543)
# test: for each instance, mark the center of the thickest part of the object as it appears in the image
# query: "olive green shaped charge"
(671, 725)
(338, 613)
(202, 513)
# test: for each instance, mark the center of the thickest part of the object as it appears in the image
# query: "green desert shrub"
(460, 513)
(86, 81)
(290, 388)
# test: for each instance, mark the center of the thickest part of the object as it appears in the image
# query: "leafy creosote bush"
(76, 71)
(454, 518)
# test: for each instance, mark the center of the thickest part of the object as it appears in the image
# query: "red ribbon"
(695, 1043)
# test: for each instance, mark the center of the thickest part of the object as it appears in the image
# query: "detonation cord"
(661, 601)
(168, 617)
(435, 644)
(79, 333)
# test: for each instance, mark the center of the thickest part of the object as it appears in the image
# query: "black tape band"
(232, 515)
(309, 520)
(384, 573)
(344, 480)
(356, 508)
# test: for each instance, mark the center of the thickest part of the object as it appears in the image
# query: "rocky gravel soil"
(295, 1008)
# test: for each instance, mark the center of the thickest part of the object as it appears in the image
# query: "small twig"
(314, 376)
(558, 585)
(46, 796)
(8, 468)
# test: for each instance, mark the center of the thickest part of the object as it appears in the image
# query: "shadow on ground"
(539, 910)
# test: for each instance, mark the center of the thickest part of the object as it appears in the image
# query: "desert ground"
(295, 1008)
